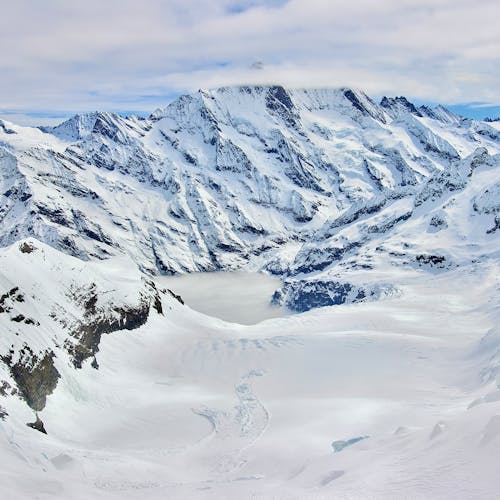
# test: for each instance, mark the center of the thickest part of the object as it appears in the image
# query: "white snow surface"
(386, 214)
(188, 406)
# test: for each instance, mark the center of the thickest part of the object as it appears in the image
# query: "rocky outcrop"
(72, 305)
(303, 295)
(35, 375)
(100, 319)
(37, 425)
(88, 333)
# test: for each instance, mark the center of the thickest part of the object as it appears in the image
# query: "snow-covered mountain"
(390, 209)
(259, 177)
(290, 181)
(223, 178)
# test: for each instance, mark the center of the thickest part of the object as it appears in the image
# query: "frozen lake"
(238, 297)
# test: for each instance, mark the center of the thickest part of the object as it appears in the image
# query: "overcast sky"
(64, 56)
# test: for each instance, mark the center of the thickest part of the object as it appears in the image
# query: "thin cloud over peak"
(125, 54)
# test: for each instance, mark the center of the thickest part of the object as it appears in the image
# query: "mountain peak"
(441, 113)
(75, 128)
(399, 105)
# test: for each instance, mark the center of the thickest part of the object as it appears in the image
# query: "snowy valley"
(368, 362)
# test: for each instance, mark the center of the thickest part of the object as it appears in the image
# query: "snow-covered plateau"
(374, 228)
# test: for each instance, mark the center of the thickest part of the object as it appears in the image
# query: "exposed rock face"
(434, 260)
(89, 332)
(399, 105)
(176, 297)
(37, 425)
(26, 247)
(99, 319)
(35, 375)
(301, 296)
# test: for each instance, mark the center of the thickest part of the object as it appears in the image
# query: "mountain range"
(348, 201)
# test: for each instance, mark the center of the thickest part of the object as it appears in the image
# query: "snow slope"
(188, 406)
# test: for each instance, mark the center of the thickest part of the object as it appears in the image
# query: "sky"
(61, 57)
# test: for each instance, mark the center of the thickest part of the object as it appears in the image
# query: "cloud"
(121, 55)
(32, 119)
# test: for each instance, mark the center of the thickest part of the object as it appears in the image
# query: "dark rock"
(358, 104)
(225, 247)
(279, 103)
(318, 259)
(26, 247)
(6, 129)
(303, 296)
(351, 96)
(430, 259)
(496, 226)
(55, 215)
(37, 425)
(230, 157)
(105, 126)
(437, 221)
(157, 305)
(35, 375)
(175, 296)
(68, 183)
(250, 229)
(89, 332)
(6, 300)
(382, 228)
(190, 159)
(278, 94)
(355, 214)
(90, 303)
(391, 102)
(68, 245)
(4, 388)
(89, 228)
